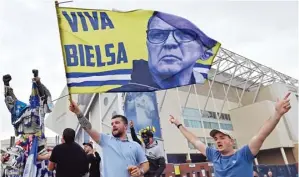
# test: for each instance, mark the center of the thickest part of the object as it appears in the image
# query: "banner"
(135, 51)
(30, 167)
(142, 109)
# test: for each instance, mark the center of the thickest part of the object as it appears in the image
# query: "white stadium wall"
(248, 120)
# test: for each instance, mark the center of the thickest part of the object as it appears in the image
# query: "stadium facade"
(238, 97)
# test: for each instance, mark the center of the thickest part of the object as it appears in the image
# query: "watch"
(179, 125)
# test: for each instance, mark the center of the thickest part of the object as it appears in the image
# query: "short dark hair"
(123, 118)
(69, 135)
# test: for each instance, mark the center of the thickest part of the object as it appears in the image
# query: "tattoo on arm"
(85, 124)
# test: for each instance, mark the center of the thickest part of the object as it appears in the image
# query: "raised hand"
(283, 106)
(74, 107)
(174, 120)
(6, 79)
(131, 123)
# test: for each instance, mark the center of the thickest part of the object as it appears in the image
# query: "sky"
(266, 32)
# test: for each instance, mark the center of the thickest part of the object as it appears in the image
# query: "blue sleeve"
(141, 157)
(104, 139)
(246, 154)
(211, 154)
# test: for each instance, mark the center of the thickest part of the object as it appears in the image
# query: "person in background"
(270, 173)
(98, 162)
(153, 152)
(94, 160)
(68, 158)
(226, 160)
(255, 174)
(122, 158)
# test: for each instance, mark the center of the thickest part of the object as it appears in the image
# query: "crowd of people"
(69, 159)
(122, 156)
(127, 158)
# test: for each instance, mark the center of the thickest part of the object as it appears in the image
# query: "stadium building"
(238, 97)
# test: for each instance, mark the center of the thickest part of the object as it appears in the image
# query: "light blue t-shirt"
(119, 154)
(236, 165)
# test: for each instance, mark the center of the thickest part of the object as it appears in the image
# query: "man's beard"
(117, 135)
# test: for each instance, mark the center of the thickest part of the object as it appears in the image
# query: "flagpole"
(64, 62)
(65, 2)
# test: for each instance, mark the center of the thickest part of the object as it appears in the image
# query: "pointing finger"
(287, 95)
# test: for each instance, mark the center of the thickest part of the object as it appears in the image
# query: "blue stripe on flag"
(98, 83)
(34, 98)
(205, 75)
(30, 169)
(198, 65)
(104, 73)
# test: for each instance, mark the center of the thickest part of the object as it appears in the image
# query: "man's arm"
(133, 133)
(44, 157)
(85, 124)
(53, 159)
(144, 167)
(190, 136)
(51, 166)
(281, 107)
(134, 136)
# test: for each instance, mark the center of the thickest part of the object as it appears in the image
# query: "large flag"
(30, 167)
(135, 51)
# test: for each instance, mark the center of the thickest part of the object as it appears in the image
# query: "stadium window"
(192, 123)
(214, 125)
(226, 126)
(208, 114)
(186, 122)
(224, 116)
(207, 125)
(213, 115)
(228, 117)
(191, 113)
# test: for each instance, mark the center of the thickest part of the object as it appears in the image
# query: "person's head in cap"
(224, 141)
(88, 148)
(147, 137)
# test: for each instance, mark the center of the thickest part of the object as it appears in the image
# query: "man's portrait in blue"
(142, 109)
(174, 46)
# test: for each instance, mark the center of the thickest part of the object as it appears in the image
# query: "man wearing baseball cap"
(227, 161)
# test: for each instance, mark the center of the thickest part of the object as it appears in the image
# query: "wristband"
(179, 125)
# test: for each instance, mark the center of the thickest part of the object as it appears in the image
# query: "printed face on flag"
(171, 50)
(135, 51)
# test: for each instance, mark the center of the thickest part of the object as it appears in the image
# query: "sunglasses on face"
(158, 36)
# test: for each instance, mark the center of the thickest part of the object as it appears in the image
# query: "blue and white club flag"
(30, 167)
